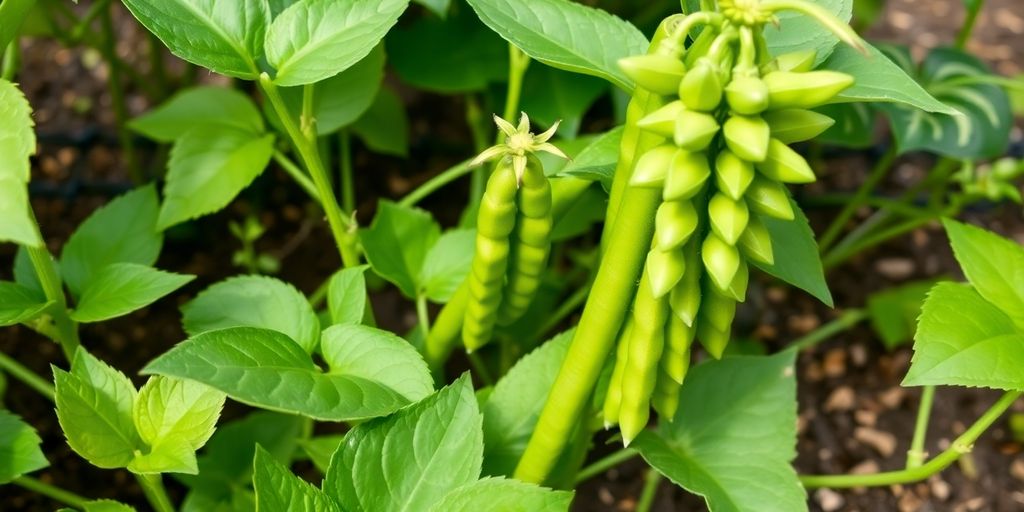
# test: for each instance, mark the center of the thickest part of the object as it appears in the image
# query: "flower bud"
(769, 198)
(797, 125)
(721, 260)
(787, 89)
(747, 137)
(653, 166)
(663, 120)
(756, 242)
(785, 165)
(686, 175)
(660, 74)
(701, 88)
(798, 61)
(664, 269)
(747, 95)
(738, 286)
(732, 174)
(685, 300)
(694, 130)
(728, 217)
(674, 223)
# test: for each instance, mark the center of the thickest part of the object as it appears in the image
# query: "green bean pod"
(675, 362)
(646, 342)
(714, 325)
(530, 243)
(613, 397)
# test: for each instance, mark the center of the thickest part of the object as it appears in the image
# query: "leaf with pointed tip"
(447, 264)
(994, 265)
(19, 448)
(199, 106)
(377, 356)
(384, 127)
(278, 489)
(597, 161)
(501, 495)
(397, 243)
(19, 304)
(171, 454)
(797, 259)
(169, 407)
(120, 288)
(346, 296)
(17, 144)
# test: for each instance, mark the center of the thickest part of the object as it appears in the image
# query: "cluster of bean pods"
(710, 128)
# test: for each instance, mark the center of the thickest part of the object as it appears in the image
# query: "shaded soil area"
(854, 416)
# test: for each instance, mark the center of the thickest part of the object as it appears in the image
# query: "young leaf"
(412, 459)
(512, 409)
(171, 454)
(317, 39)
(894, 312)
(19, 304)
(377, 356)
(25, 273)
(209, 166)
(278, 489)
(963, 340)
(499, 494)
(551, 95)
(566, 35)
(321, 449)
(994, 265)
(796, 31)
(176, 408)
(225, 36)
(120, 288)
(253, 301)
(346, 296)
(879, 79)
(736, 426)
(94, 408)
(797, 259)
(447, 264)
(19, 448)
(122, 231)
(266, 369)
(384, 128)
(597, 161)
(17, 144)
(397, 243)
(199, 106)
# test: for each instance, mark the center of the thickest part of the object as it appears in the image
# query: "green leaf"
(512, 409)
(734, 436)
(597, 161)
(122, 231)
(438, 7)
(225, 36)
(19, 448)
(17, 144)
(436, 443)
(982, 130)
(171, 454)
(94, 408)
(797, 259)
(209, 166)
(253, 301)
(278, 489)
(894, 312)
(25, 272)
(346, 296)
(101, 506)
(994, 265)
(797, 32)
(447, 264)
(19, 304)
(377, 356)
(176, 408)
(321, 449)
(566, 35)
(474, 56)
(317, 39)
(879, 79)
(120, 288)
(341, 99)
(199, 106)
(854, 127)
(551, 95)
(397, 243)
(963, 340)
(266, 369)
(588, 210)
(384, 128)
(501, 495)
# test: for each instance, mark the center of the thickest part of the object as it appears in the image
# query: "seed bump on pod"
(788, 89)
(728, 217)
(721, 260)
(653, 166)
(769, 198)
(694, 130)
(796, 124)
(747, 137)
(660, 74)
(733, 174)
(785, 165)
(686, 175)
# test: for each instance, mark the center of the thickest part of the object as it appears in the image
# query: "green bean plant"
(590, 282)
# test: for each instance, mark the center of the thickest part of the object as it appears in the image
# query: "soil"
(854, 416)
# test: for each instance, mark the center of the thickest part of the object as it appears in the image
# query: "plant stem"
(153, 487)
(651, 483)
(879, 171)
(11, 62)
(67, 330)
(117, 98)
(480, 368)
(13, 12)
(568, 306)
(28, 377)
(348, 189)
(433, 184)
(604, 464)
(845, 321)
(66, 497)
(517, 64)
(342, 226)
(841, 254)
(479, 129)
(916, 455)
(421, 312)
(297, 174)
(968, 27)
(960, 446)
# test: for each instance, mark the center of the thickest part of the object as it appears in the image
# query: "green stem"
(348, 188)
(960, 446)
(83, 24)
(297, 174)
(845, 321)
(11, 62)
(342, 226)
(157, 68)
(518, 62)
(153, 487)
(479, 129)
(968, 27)
(604, 464)
(565, 309)
(433, 184)
(66, 497)
(12, 13)
(117, 97)
(28, 377)
(881, 203)
(841, 254)
(480, 368)
(651, 483)
(916, 455)
(421, 313)
(67, 330)
(879, 171)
